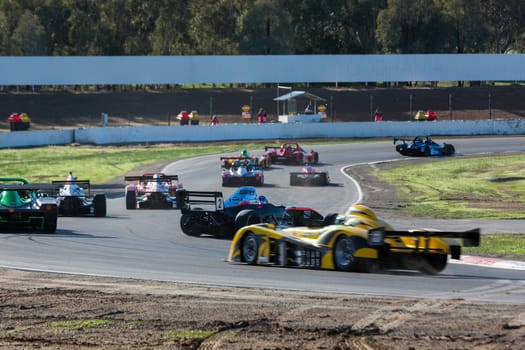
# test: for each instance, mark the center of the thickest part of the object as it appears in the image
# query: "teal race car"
(26, 206)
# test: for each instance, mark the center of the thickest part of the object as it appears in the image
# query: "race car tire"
(293, 180)
(50, 225)
(448, 150)
(186, 224)
(329, 219)
(299, 159)
(246, 217)
(344, 250)
(433, 264)
(131, 200)
(250, 248)
(316, 158)
(99, 205)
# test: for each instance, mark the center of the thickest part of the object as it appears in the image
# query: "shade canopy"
(295, 94)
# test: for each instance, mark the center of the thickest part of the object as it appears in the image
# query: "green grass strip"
(489, 187)
(505, 246)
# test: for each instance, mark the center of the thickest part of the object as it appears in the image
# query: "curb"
(491, 262)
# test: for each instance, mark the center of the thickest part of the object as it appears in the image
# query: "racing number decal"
(219, 203)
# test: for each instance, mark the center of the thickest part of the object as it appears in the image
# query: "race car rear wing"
(206, 200)
(82, 183)
(28, 187)
(151, 178)
(471, 238)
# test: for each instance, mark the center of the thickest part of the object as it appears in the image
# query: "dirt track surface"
(49, 311)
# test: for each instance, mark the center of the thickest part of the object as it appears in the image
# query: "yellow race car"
(358, 241)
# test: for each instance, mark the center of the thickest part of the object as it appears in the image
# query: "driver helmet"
(70, 176)
(245, 154)
(263, 199)
(156, 176)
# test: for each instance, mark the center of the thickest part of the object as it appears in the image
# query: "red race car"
(152, 191)
(291, 153)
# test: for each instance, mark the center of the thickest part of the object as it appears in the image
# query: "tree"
(324, 26)
(213, 26)
(267, 29)
(53, 15)
(467, 22)
(506, 20)
(29, 37)
(83, 24)
(4, 35)
(170, 36)
(141, 16)
(363, 24)
(412, 26)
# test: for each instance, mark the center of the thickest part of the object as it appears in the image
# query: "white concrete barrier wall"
(30, 138)
(193, 133)
(203, 133)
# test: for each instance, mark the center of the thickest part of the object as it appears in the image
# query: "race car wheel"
(186, 224)
(250, 248)
(131, 200)
(316, 158)
(99, 205)
(50, 225)
(246, 217)
(293, 180)
(299, 159)
(433, 264)
(449, 150)
(344, 250)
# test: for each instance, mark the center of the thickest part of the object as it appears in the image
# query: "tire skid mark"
(389, 318)
(500, 287)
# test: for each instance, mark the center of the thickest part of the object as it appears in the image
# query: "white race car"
(74, 198)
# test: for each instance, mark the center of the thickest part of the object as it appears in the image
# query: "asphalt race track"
(148, 244)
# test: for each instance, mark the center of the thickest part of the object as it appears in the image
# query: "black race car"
(74, 199)
(206, 212)
(309, 176)
(423, 147)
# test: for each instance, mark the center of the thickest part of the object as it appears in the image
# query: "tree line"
(249, 27)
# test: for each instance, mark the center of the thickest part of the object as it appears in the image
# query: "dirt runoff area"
(54, 311)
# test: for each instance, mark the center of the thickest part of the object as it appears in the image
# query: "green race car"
(25, 206)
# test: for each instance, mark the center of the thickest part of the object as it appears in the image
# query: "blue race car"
(423, 147)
